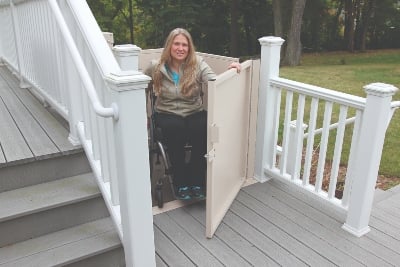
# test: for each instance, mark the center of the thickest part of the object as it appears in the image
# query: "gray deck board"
(168, 251)
(37, 139)
(270, 224)
(55, 130)
(386, 247)
(389, 217)
(372, 248)
(387, 226)
(395, 189)
(29, 131)
(160, 262)
(310, 245)
(391, 203)
(272, 249)
(215, 246)
(299, 250)
(12, 142)
(233, 239)
(182, 239)
(321, 225)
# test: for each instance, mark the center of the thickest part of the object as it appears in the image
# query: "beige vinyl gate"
(230, 144)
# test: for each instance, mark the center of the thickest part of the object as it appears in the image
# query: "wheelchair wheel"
(159, 198)
(159, 195)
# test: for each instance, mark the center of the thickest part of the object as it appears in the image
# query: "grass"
(349, 72)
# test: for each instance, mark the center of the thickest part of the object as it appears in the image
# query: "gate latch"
(210, 155)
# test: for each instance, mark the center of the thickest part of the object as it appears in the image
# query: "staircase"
(51, 210)
(55, 221)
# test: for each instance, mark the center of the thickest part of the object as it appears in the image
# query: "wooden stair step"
(19, 175)
(65, 247)
(48, 207)
(32, 199)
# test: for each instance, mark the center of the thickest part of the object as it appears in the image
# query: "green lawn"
(349, 72)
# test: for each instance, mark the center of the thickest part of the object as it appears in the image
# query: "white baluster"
(295, 148)
(323, 147)
(338, 151)
(286, 131)
(310, 141)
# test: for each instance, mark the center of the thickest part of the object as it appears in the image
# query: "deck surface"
(272, 224)
(29, 131)
(269, 224)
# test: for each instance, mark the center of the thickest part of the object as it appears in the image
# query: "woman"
(177, 82)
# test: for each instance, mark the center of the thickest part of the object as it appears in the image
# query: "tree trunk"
(234, 28)
(293, 50)
(367, 12)
(335, 25)
(278, 24)
(131, 21)
(349, 25)
(357, 7)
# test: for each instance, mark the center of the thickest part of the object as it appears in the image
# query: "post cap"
(126, 49)
(127, 80)
(271, 41)
(380, 89)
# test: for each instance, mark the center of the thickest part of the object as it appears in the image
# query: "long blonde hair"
(188, 79)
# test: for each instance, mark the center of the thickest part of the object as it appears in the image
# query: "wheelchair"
(158, 154)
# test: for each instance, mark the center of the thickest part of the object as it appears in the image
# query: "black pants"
(177, 131)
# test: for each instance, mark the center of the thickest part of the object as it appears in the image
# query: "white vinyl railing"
(296, 160)
(58, 51)
(301, 135)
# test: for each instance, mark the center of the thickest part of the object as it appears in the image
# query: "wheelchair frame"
(156, 147)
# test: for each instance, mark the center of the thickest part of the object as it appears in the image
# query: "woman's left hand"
(235, 65)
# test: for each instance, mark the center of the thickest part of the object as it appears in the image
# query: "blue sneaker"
(183, 193)
(198, 192)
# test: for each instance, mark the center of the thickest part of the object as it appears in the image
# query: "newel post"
(132, 157)
(127, 56)
(368, 155)
(270, 58)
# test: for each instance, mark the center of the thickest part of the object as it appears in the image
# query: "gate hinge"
(214, 133)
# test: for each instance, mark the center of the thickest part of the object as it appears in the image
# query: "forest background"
(232, 28)
(351, 42)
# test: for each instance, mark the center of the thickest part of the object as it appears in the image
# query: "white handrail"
(395, 105)
(83, 73)
(320, 92)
